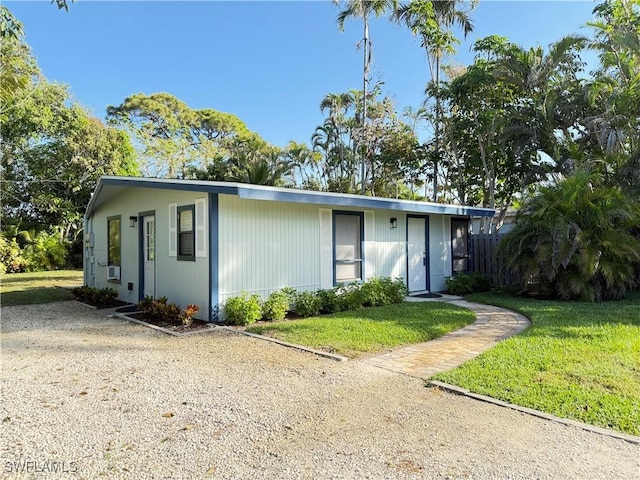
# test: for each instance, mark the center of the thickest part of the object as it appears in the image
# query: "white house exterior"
(199, 242)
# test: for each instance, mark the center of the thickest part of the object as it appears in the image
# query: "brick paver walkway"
(444, 353)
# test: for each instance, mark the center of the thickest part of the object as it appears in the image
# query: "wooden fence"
(485, 260)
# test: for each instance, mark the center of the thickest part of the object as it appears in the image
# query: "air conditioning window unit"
(113, 272)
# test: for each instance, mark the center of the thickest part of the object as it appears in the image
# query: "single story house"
(201, 242)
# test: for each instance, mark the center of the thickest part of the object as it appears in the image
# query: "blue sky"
(269, 63)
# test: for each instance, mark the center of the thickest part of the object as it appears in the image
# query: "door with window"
(417, 260)
(149, 252)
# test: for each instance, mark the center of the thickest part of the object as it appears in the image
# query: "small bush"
(329, 300)
(11, 256)
(145, 304)
(46, 251)
(169, 312)
(383, 291)
(186, 316)
(105, 296)
(465, 284)
(98, 297)
(242, 310)
(276, 306)
(350, 297)
(307, 304)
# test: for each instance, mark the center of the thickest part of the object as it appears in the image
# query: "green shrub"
(82, 293)
(170, 312)
(243, 309)
(99, 297)
(382, 291)
(145, 304)
(105, 296)
(329, 300)
(350, 297)
(161, 308)
(465, 284)
(574, 240)
(45, 251)
(11, 257)
(307, 304)
(276, 306)
(396, 290)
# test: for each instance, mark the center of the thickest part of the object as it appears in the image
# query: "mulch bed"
(174, 327)
(102, 306)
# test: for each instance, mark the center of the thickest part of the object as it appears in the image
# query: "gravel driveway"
(93, 397)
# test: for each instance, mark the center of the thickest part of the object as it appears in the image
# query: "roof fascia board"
(259, 192)
(359, 202)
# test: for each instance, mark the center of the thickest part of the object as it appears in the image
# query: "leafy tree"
(251, 161)
(510, 119)
(53, 152)
(174, 137)
(431, 22)
(572, 240)
(613, 124)
(10, 26)
(393, 156)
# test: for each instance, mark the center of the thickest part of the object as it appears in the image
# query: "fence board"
(487, 261)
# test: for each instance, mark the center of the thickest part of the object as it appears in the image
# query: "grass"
(38, 287)
(371, 329)
(577, 360)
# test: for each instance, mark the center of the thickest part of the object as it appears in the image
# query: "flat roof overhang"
(110, 186)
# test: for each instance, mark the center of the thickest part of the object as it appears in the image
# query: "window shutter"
(369, 246)
(173, 229)
(201, 227)
(326, 249)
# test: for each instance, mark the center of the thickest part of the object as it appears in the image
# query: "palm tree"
(338, 104)
(614, 92)
(573, 240)
(430, 20)
(363, 9)
(541, 79)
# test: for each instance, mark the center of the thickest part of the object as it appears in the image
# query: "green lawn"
(38, 287)
(371, 329)
(577, 360)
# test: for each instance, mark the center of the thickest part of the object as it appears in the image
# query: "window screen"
(348, 247)
(186, 237)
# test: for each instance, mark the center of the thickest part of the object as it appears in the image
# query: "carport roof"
(110, 186)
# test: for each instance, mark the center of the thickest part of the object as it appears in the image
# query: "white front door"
(417, 254)
(149, 251)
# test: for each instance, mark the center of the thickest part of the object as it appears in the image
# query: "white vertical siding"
(326, 249)
(265, 246)
(183, 282)
(389, 253)
(370, 253)
(439, 251)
